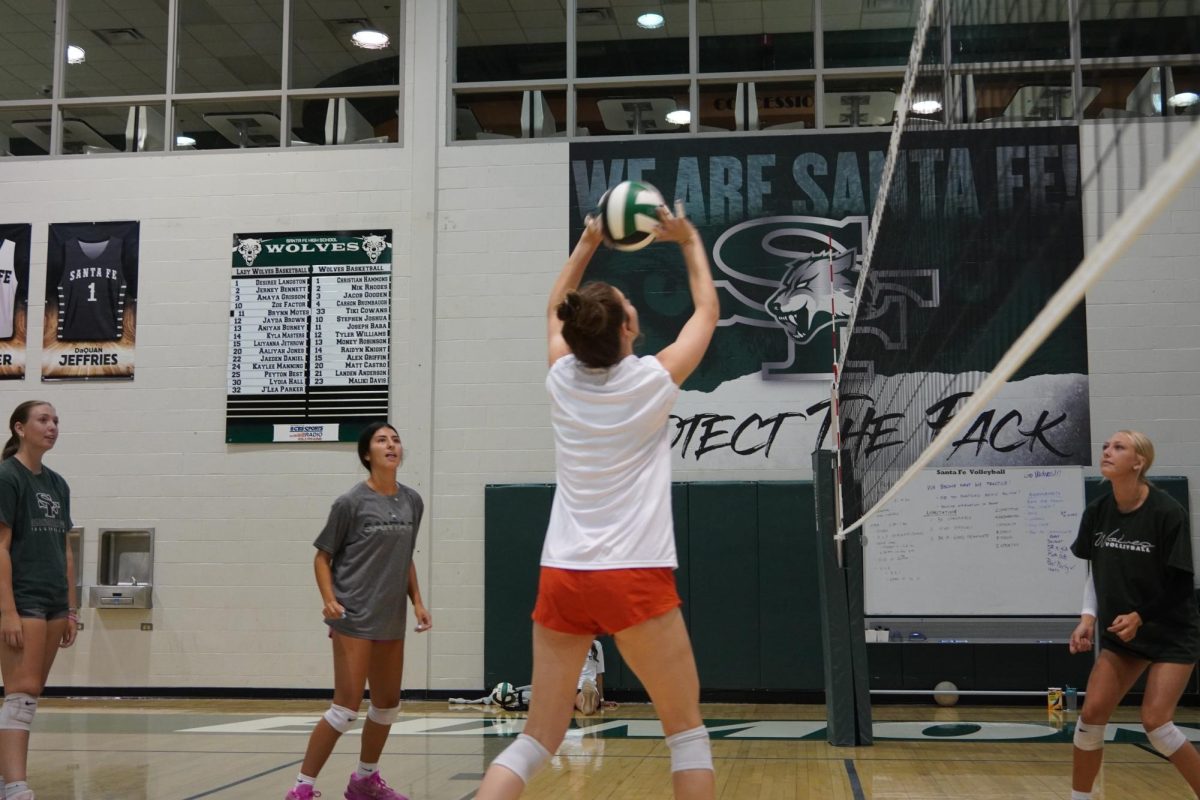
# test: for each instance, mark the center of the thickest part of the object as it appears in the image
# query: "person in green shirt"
(37, 580)
(1139, 598)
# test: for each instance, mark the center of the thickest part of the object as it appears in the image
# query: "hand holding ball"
(628, 215)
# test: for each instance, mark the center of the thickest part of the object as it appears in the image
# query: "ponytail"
(20, 416)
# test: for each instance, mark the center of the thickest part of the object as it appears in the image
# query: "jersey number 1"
(91, 292)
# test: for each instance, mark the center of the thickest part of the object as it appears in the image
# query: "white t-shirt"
(593, 665)
(612, 506)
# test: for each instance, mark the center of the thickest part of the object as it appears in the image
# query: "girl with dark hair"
(38, 610)
(366, 576)
(609, 554)
(1139, 598)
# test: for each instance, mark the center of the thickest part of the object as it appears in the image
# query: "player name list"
(296, 329)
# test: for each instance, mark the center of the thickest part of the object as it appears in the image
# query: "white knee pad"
(340, 718)
(1167, 739)
(382, 716)
(1089, 737)
(18, 711)
(690, 750)
(524, 757)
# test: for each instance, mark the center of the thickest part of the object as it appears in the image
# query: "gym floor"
(133, 749)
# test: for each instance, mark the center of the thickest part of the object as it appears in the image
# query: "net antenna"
(1120, 120)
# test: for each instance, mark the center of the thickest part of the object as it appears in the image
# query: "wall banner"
(91, 301)
(309, 335)
(14, 299)
(785, 219)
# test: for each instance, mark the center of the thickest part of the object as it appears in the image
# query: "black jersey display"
(91, 293)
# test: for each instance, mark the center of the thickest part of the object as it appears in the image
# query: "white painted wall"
(479, 235)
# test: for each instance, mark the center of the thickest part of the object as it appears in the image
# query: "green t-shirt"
(38, 509)
(1130, 554)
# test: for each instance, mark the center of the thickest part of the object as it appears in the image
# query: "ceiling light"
(371, 40)
(927, 106)
(184, 141)
(1183, 100)
(650, 20)
(679, 117)
(75, 54)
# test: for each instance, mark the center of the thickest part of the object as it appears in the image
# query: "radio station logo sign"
(306, 433)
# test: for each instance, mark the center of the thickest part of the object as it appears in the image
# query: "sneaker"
(370, 788)
(587, 699)
(24, 794)
(300, 792)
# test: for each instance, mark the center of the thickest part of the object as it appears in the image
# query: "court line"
(244, 780)
(855, 783)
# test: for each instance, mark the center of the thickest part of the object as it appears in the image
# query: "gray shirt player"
(371, 537)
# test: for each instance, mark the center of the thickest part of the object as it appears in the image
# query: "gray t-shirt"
(371, 538)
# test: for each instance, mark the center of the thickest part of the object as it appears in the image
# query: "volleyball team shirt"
(371, 537)
(1130, 554)
(37, 507)
(612, 504)
(91, 292)
(8, 287)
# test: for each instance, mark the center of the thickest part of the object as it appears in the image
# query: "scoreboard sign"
(309, 335)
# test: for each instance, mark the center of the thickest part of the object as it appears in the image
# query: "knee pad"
(340, 718)
(690, 750)
(524, 757)
(1167, 739)
(382, 716)
(18, 711)
(1089, 737)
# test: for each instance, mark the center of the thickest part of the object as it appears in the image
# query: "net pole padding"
(889, 163)
(1166, 182)
(835, 418)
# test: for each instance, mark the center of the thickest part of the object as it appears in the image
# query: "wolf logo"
(48, 505)
(374, 244)
(816, 293)
(798, 274)
(249, 250)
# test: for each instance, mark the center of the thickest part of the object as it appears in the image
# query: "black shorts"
(42, 611)
(1173, 656)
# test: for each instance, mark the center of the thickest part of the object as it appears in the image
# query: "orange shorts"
(594, 602)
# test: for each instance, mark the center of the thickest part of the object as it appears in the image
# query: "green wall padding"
(723, 565)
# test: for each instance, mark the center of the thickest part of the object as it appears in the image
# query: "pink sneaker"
(372, 788)
(302, 792)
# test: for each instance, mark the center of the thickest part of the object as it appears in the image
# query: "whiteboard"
(977, 542)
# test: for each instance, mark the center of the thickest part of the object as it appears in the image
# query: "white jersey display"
(612, 505)
(8, 287)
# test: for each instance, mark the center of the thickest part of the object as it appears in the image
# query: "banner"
(309, 335)
(14, 299)
(91, 301)
(785, 220)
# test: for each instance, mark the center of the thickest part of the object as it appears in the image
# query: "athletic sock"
(305, 780)
(366, 770)
(1078, 795)
(16, 786)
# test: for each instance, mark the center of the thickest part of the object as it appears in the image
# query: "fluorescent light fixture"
(927, 106)
(650, 20)
(680, 116)
(75, 54)
(184, 141)
(370, 40)
(1183, 100)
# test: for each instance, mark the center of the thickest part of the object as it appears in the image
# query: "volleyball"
(504, 695)
(947, 694)
(629, 214)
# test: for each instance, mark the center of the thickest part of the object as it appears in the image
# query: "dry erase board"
(986, 541)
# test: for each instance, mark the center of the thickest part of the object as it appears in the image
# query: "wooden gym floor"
(237, 750)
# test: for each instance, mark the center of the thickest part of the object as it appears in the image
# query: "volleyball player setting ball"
(608, 561)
